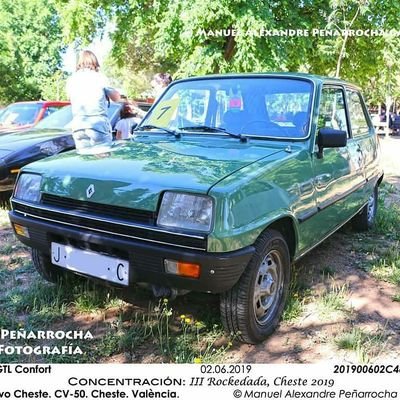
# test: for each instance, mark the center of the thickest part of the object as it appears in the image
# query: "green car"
(228, 180)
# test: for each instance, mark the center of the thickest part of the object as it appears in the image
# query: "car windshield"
(19, 114)
(57, 120)
(272, 107)
(62, 118)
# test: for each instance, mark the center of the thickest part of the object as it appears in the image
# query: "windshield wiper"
(206, 128)
(170, 131)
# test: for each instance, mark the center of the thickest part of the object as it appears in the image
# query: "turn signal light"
(185, 269)
(21, 230)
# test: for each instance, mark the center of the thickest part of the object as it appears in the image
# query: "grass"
(181, 339)
(366, 345)
(299, 294)
(93, 298)
(332, 302)
(396, 297)
(4, 221)
(43, 303)
(387, 267)
(178, 339)
(387, 218)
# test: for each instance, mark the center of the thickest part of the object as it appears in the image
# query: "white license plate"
(90, 263)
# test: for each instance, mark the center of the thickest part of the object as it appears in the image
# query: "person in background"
(160, 82)
(127, 122)
(89, 93)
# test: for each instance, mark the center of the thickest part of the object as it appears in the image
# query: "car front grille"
(99, 219)
(104, 210)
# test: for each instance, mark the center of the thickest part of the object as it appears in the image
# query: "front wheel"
(45, 268)
(365, 219)
(251, 310)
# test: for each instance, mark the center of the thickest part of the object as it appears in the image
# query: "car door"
(362, 147)
(333, 171)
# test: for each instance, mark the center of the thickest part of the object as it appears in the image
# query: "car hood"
(21, 140)
(133, 174)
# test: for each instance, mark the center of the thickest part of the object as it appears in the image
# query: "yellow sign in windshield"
(162, 115)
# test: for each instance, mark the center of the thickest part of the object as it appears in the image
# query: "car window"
(359, 124)
(263, 107)
(19, 114)
(50, 109)
(62, 118)
(332, 111)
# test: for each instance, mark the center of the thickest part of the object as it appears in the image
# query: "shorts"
(85, 138)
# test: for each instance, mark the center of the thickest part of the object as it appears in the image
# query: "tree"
(177, 36)
(54, 86)
(30, 47)
(190, 37)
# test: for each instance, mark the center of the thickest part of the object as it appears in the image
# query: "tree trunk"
(229, 47)
(343, 49)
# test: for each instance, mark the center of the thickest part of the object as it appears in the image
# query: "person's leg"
(97, 137)
(81, 139)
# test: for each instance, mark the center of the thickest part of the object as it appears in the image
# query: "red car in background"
(22, 115)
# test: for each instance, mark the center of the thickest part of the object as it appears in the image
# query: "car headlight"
(28, 187)
(186, 211)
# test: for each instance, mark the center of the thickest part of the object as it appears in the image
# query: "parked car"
(23, 115)
(50, 136)
(229, 180)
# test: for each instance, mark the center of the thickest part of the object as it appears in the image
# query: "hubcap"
(371, 208)
(268, 286)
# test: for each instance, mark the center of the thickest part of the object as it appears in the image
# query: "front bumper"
(219, 271)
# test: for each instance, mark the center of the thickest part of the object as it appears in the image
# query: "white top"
(125, 126)
(87, 91)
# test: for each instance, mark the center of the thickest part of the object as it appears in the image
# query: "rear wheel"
(253, 307)
(46, 269)
(365, 219)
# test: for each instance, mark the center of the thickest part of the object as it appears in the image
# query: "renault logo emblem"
(90, 191)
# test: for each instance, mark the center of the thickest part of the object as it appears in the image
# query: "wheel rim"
(371, 208)
(268, 287)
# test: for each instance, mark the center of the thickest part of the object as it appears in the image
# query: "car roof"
(317, 79)
(43, 102)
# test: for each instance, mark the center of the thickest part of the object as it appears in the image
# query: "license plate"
(91, 263)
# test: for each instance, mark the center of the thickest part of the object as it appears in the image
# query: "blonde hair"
(87, 60)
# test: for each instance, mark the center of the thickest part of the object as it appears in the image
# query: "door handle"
(323, 180)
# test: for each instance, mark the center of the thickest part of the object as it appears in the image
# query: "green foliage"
(30, 47)
(200, 37)
(133, 84)
(54, 87)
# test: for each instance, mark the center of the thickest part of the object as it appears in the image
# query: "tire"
(45, 268)
(252, 309)
(365, 219)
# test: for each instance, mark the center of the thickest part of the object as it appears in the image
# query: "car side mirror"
(328, 137)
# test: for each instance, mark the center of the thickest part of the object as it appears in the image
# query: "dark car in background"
(50, 136)
(23, 115)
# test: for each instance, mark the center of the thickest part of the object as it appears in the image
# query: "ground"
(344, 304)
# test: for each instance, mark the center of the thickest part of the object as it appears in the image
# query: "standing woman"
(89, 93)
